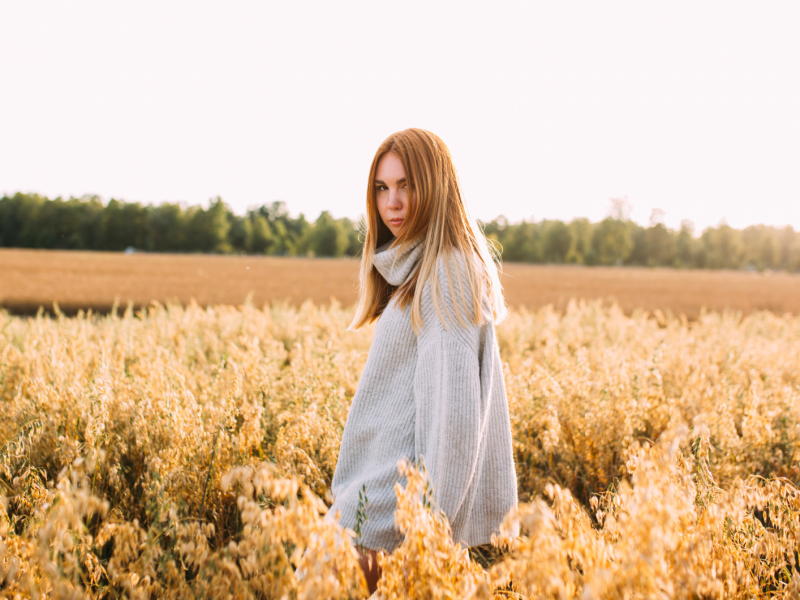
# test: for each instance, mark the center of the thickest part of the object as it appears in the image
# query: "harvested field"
(671, 290)
(84, 280)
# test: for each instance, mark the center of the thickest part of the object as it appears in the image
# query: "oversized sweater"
(438, 396)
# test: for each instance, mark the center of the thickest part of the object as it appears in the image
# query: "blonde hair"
(437, 214)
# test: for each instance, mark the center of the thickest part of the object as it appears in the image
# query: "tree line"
(33, 221)
(88, 223)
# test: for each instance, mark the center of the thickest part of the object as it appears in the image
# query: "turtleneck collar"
(394, 265)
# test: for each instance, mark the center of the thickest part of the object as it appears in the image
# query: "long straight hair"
(436, 215)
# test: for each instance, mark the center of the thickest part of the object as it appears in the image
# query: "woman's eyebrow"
(380, 182)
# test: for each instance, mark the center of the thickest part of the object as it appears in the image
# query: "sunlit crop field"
(97, 280)
(185, 452)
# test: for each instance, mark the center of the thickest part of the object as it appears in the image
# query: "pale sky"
(549, 108)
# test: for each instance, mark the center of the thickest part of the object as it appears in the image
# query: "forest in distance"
(90, 223)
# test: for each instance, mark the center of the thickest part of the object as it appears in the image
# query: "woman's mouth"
(396, 222)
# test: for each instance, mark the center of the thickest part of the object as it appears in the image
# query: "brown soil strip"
(96, 280)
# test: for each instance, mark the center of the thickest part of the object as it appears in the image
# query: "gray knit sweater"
(438, 396)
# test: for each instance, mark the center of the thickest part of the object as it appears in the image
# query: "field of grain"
(95, 280)
(184, 452)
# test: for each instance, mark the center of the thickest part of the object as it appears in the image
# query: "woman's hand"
(368, 560)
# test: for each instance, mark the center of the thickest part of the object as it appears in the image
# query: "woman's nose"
(394, 201)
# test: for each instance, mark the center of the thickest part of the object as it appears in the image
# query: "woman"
(432, 389)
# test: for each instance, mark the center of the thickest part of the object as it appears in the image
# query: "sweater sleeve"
(447, 392)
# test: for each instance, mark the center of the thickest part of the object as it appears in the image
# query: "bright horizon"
(550, 109)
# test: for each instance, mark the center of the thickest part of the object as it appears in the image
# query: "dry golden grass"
(182, 452)
(83, 280)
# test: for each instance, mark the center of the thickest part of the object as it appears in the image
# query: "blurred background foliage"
(89, 223)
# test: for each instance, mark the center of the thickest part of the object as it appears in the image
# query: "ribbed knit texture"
(439, 396)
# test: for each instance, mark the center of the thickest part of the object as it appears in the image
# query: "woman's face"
(391, 192)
